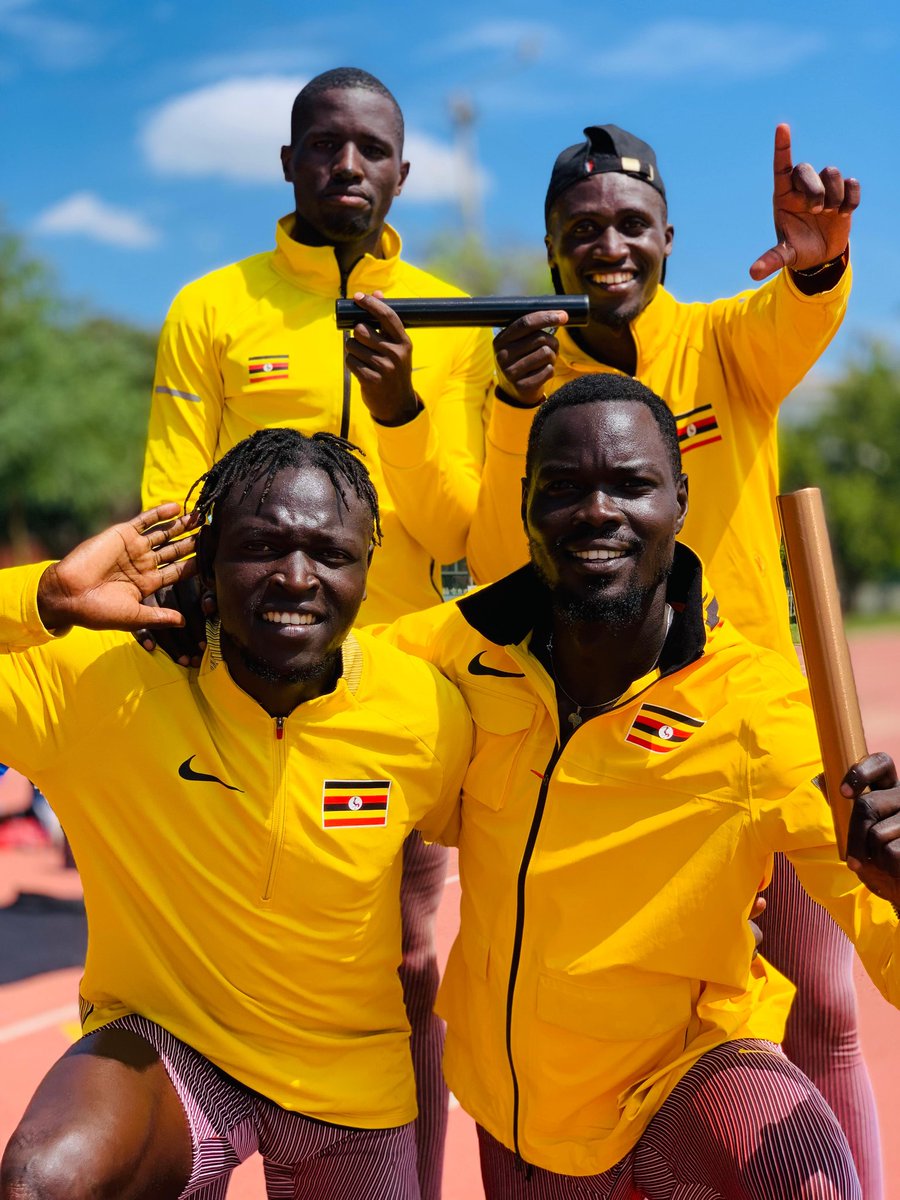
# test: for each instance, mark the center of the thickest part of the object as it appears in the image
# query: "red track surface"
(38, 1015)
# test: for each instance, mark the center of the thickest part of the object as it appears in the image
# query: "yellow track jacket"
(723, 369)
(603, 940)
(241, 874)
(255, 346)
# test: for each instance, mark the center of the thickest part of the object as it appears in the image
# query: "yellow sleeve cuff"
(20, 621)
(407, 446)
(510, 426)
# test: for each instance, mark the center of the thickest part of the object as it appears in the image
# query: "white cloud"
(85, 215)
(233, 130)
(229, 130)
(53, 42)
(440, 172)
(669, 49)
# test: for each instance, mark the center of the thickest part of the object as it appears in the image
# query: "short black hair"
(599, 388)
(264, 454)
(340, 78)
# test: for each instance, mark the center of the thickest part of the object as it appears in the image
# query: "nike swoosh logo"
(477, 667)
(186, 772)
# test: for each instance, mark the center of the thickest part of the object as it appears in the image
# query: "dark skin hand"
(873, 837)
(381, 359)
(104, 582)
(812, 212)
(184, 645)
(525, 354)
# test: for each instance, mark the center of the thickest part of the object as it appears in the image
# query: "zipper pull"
(279, 728)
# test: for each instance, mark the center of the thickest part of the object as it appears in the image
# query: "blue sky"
(142, 139)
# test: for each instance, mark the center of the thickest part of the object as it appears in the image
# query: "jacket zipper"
(517, 941)
(345, 398)
(276, 838)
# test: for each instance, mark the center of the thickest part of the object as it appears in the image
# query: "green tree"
(74, 395)
(464, 260)
(851, 450)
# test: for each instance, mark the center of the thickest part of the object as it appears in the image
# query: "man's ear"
(404, 171)
(286, 165)
(681, 492)
(548, 243)
(670, 240)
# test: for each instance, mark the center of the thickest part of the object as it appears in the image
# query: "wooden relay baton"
(825, 653)
(443, 312)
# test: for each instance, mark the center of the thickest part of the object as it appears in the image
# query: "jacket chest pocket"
(502, 725)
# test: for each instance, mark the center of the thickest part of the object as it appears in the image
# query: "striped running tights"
(803, 942)
(743, 1124)
(421, 889)
(303, 1159)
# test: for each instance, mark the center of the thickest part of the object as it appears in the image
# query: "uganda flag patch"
(354, 802)
(264, 368)
(661, 729)
(699, 427)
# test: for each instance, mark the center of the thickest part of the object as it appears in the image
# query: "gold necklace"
(575, 719)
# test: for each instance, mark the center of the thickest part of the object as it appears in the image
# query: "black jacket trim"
(505, 612)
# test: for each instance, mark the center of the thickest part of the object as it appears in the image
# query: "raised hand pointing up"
(812, 212)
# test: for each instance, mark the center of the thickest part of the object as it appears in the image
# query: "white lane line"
(54, 1016)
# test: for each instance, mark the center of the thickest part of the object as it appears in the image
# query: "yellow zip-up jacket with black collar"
(723, 369)
(603, 941)
(255, 346)
(241, 873)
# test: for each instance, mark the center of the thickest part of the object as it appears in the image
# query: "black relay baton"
(491, 311)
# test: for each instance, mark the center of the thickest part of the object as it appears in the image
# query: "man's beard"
(347, 227)
(257, 666)
(590, 604)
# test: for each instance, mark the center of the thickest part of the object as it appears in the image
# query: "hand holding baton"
(825, 652)
(471, 311)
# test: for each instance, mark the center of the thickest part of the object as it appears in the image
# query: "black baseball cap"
(608, 148)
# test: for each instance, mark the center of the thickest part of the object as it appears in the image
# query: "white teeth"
(613, 277)
(289, 618)
(599, 555)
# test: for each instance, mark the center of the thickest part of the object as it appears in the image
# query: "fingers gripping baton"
(825, 652)
(490, 311)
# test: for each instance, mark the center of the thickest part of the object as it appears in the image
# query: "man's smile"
(290, 618)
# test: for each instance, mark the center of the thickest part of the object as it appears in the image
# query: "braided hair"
(263, 455)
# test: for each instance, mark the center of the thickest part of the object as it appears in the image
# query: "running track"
(38, 1015)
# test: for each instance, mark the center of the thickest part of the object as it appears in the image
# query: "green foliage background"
(74, 398)
(851, 450)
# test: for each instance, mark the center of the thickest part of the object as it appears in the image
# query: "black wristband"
(812, 272)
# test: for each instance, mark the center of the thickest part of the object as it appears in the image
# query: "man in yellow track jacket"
(238, 830)
(723, 368)
(637, 763)
(254, 345)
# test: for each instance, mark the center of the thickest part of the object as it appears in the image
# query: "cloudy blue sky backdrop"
(141, 140)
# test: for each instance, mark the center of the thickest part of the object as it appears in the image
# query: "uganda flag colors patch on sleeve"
(698, 427)
(661, 730)
(354, 802)
(266, 367)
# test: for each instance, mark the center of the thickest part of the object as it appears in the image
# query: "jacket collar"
(651, 329)
(217, 685)
(507, 611)
(315, 268)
